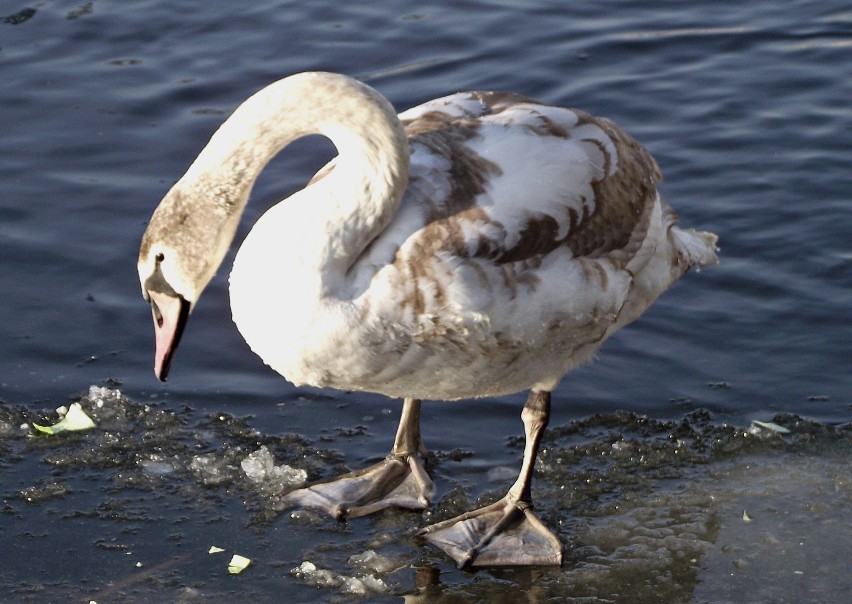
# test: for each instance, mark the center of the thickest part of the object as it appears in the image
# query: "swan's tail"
(694, 248)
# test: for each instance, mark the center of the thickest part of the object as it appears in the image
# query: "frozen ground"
(666, 511)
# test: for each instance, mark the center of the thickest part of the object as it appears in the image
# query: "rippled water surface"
(657, 482)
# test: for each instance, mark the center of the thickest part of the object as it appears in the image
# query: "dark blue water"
(104, 104)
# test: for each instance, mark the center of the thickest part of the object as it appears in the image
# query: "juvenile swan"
(476, 245)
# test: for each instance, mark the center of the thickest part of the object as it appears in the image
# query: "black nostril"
(158, 316)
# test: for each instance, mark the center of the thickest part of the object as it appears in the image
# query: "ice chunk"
(157, 465)
(319, 577)
(371, 561)
(358, 585)
(44, 490)
(374, 584)
(260, 467)
(502, 474)
(361, 586)
(99, 395)
(209, 469)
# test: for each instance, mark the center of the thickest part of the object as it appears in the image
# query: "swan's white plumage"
(478, 244)
(526, 236)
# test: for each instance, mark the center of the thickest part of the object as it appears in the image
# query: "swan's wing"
(500, 183)
(528, 234)
(548, 176)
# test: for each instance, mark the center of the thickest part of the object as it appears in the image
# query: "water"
(746, 108)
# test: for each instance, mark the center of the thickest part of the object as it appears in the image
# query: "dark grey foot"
(394, 482)
(501, 534)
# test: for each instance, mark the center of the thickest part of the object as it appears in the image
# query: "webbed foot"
(394, 482)
(501, 534)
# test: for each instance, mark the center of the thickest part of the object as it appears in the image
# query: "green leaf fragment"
(238, 564)
(75, 419)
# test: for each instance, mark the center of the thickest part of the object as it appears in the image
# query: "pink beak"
(170, 314)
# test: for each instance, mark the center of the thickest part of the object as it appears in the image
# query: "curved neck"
(361, 192)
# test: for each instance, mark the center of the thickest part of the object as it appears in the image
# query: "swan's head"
(170, 304)
(181, 249)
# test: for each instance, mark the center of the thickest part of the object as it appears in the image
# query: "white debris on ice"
(238, 564)
(73, 419)
(757, 427)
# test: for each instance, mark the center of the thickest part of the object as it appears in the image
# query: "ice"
(99, 395)
(318, 577)
(157, 465)
(260, 467)
(210, 469)
(644, 506)
(502, 474)
(371, 561)
(44, 490)
(361, 584)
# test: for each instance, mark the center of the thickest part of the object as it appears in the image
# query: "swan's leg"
(506, 533)
(400, 480)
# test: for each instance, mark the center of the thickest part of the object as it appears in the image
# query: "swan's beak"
(170, 312)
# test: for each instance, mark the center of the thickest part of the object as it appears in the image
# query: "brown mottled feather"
(623, 199)
(468, 172)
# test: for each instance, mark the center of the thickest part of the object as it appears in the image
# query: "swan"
(476, 245)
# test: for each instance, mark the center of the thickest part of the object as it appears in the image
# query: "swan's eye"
(159, 257)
